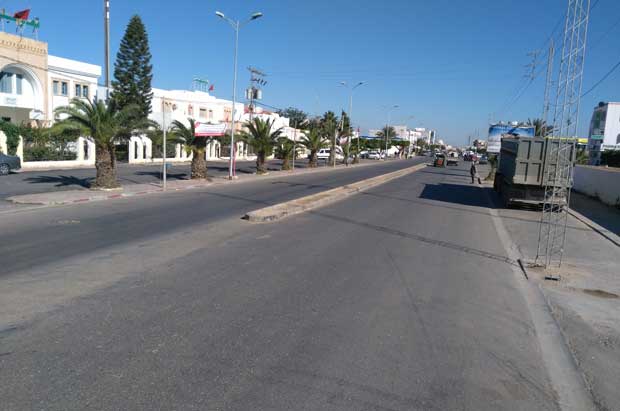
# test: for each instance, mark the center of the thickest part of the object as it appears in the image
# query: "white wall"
(602, 182)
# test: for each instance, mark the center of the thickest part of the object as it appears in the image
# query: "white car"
(324, 153)
(375, 155)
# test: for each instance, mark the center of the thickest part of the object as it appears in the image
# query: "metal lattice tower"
(560, 155)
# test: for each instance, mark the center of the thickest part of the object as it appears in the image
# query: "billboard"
(210, 130)
(496, 131)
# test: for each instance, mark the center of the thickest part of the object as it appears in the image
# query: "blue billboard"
(496, 131)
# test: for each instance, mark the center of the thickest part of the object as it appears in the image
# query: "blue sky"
(449, 64)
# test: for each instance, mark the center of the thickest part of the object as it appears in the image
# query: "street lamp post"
(387, 129)
(236, 25)
(344, 83)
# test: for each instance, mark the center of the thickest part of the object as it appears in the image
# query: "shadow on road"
(463, 174)
(469, 195)
(61, 181)
(169, 175)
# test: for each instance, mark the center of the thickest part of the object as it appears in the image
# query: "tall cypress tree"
(133, 69)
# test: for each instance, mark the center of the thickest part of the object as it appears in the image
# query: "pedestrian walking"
(473, 170)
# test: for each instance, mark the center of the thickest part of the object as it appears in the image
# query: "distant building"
(604, 131)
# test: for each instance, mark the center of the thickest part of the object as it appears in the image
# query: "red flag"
(212, 87)
(22, 15)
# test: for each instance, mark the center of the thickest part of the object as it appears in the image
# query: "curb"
(602, 231)
(300, 205)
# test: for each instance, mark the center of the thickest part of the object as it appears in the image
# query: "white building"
(604, 131)
(33, 84)
(181, 105)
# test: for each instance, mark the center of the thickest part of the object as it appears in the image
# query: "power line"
(614, 68)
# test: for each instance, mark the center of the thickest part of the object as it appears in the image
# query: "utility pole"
(163, 125)
(548, 81)
(294, 142)
(106, 29)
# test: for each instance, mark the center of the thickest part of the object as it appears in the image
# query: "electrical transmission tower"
(548, 85)
(560, 147)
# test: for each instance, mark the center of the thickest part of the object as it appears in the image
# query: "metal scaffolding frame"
(560, 148)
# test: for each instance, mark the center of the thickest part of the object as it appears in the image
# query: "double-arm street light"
(351, 89)
(387, 128)
(236, 25)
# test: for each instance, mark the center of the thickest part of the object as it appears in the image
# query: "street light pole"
(106, 47)
(163, 122)
(236, 25)
(387, 129)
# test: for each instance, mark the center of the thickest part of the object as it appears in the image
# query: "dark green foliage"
(49, 144)
(133, 69)
(610, 158)
(582, 157)
(262, 138)
(11, 131)
(296, 116)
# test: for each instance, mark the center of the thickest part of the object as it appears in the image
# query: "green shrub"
(11, 131)
(610, 158)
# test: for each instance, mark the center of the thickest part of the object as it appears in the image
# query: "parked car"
(483, 160)
(8, 163)
(364, 154)
(375, 155)
(323, 154)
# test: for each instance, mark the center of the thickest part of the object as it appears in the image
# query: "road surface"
(399, 298)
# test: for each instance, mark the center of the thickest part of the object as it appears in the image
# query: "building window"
(6, 82)
(78, 90)
(85, 92)
(202, 113)
(64, 88)
(210, 114)
(18, 83)
(618, 139)
(55, 87)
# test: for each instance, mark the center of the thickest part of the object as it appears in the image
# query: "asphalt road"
(399, 298)
(32, 182)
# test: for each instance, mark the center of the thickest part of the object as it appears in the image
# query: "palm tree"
(156, 134)
(541, 129)
(262, 139)
(329, 127)
(187, 136)
(285, 150)
(106, 125)
(386, 134)
(313, 141)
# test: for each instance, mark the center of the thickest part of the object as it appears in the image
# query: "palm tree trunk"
(260, 162)
(199, 163)
(313, 161)
(105, 163)
(286, 164)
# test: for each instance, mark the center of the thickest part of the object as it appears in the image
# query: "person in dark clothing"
(473, 170)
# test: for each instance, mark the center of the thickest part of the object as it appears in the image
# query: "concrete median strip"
(300, 205)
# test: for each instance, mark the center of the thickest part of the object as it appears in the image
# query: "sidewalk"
(130, 190)
(586, 301)
(606, 216)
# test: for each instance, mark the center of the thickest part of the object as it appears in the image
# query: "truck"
(520, 177)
